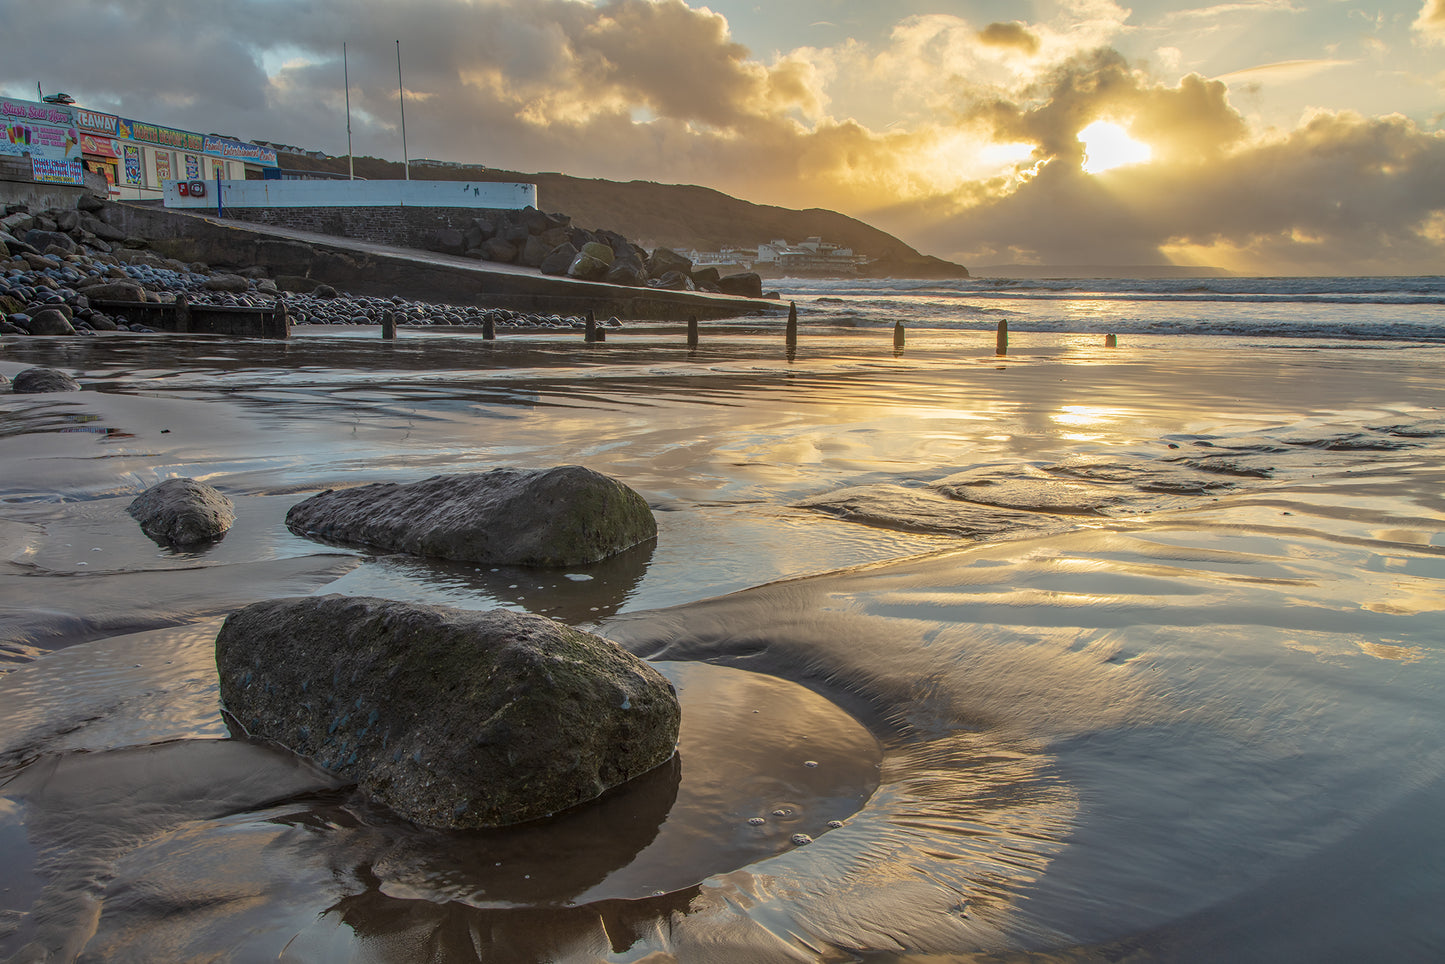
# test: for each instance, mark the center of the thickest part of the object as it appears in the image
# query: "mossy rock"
(453, 718)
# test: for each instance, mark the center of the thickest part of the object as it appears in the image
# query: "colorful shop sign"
(163, 166)
(57, 172)
(96, 123)
(132, 164)
(130, 130)
(38, 130)
(26, 110)
(104, 146)
(193, 167)
(241, 151)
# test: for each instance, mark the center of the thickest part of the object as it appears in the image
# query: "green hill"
(671, 215)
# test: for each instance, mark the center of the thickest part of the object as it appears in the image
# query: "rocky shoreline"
(58, 266)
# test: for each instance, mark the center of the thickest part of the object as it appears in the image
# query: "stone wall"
(407, 227)
(18, 186)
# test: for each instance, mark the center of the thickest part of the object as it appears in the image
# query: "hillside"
(672, 215)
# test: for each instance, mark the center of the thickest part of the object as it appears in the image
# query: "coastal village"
(61, 142)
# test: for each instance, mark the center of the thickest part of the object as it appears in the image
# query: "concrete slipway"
(369, 268)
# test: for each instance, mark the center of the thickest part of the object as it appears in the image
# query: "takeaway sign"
(94, 122)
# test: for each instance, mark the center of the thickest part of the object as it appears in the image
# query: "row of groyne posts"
(592, 333)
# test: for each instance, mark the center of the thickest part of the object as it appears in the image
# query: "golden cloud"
(1431, 22)
(1012, 36)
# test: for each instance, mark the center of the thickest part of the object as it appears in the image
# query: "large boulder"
(665, 260)
(453, 718)
(625, 273)
(226, 282)
(42, 240)
(447, 241)
(36, 381)
(587, 268)
(559, 259)
(534, 252)
(50, 320)
(602, 252)
(109, 290)
(500, 250)
(182, 512)
(748, 284)
(100, 229)
(562, 516)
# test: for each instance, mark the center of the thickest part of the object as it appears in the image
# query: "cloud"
(1227, 9)
(1340, 193)
(959, 136)
(1283, 72)
(1010, 36)
(1431, 22)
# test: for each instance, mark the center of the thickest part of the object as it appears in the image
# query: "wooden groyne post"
(183, 313)
(1001, 341)
(791, 338)
(1111, 342)
(692, 331)
(898, 336)
(589, 332)
(388, 325)
(489, 328)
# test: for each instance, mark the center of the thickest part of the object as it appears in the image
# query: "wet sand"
(1188, 724)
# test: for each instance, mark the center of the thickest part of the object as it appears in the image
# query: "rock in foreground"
(452, 718)
(563, 516)
(36, 381)
(182, 512)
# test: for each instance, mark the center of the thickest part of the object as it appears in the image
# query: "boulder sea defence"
(453, 718)
(563, 516)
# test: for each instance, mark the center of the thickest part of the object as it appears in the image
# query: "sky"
(1260, 136)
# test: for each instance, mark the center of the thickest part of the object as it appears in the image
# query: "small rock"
(50, 321)
(182, 512)
(36, 381)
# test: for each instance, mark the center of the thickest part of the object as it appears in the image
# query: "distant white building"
(811, 256)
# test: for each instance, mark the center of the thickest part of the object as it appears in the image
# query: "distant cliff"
(672, 215)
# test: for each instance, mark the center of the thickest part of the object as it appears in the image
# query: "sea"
(1367, 309)
(1067, 652)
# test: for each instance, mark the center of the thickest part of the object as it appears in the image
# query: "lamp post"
(346, 80)
(401, 98)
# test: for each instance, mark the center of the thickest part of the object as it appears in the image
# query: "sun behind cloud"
(1107, 145)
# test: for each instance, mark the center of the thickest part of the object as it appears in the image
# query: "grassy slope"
(673, 215)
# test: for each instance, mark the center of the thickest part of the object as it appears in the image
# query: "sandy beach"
(1200, 722)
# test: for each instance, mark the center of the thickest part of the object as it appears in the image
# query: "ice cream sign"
(38, 131)
(44, 133)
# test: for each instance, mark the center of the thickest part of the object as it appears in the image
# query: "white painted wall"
(359, 194)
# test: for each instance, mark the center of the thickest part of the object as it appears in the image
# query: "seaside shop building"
(137, 158)
(60, 142)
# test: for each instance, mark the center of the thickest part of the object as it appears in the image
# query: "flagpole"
(346, 79)
(401, 98)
